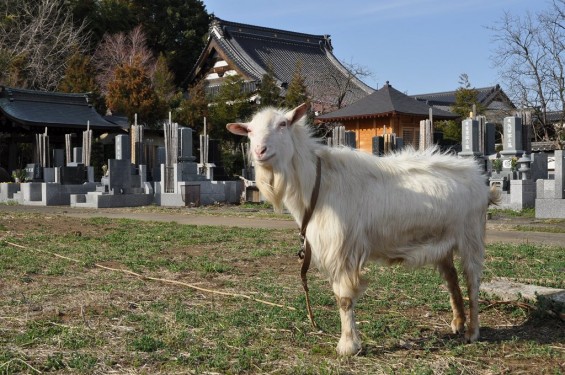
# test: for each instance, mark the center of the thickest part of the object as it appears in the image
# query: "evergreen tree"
(164, 84)
(268, 91)
(465, 97)
(194, 107)
(131, 93)
(296, 93)
(79, 75)
(79, 78)
(230, 105)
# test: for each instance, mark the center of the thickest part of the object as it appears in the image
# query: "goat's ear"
(238, 128)
(297, 113)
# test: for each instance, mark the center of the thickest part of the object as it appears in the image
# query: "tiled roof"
(385, 101)
(253, 49)
(40, 108)
(488, 96)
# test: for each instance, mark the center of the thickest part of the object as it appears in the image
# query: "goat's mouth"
(264, 159)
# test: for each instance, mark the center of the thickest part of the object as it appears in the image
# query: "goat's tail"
(494, 196)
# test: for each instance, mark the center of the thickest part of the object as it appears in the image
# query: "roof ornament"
(327, 42)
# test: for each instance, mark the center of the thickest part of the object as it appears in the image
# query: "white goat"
(414, 208)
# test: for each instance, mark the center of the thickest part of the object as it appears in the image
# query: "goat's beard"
(272, 185)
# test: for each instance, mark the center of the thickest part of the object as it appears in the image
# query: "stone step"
(508, 290)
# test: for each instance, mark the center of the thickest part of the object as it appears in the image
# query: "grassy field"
(77, 313)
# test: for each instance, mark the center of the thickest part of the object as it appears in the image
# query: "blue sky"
(419, 46)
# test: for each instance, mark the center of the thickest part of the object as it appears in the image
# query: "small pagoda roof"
(385, 102)
(51, 109)
(251, 50)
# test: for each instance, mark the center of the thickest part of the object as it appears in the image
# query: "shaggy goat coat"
(411, 207)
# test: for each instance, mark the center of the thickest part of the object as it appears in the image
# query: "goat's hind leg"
(449, 273)
(472, 261)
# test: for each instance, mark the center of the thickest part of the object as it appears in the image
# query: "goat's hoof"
(471, 335)
(348, 347)
(458, 325)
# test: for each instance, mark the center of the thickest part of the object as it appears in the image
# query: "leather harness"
(305, 252)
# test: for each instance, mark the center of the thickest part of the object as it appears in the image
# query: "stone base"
(210, 193)
(7, 191)
(550, 208)
(521, 195)
(50, 194)
(104, 200)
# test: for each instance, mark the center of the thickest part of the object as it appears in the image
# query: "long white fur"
(411, 207)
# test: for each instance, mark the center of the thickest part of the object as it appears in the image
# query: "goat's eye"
(282, 124)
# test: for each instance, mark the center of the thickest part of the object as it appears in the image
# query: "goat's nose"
(260, 150)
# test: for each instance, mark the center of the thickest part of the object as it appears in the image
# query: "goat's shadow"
(547, 330)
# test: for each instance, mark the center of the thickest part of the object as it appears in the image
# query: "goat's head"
(270, 133)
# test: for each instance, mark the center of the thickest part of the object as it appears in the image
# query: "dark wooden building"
(24, 113)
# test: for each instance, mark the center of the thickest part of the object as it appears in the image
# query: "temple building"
(249, 51)
(496, 103)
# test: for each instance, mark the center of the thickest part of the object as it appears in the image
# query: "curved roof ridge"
(445, 93)
(269, 32)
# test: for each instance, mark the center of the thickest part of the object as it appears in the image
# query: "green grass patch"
(60, 316)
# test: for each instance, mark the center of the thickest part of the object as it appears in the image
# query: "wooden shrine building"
(25, 113)
(387, 109)
(249, 51)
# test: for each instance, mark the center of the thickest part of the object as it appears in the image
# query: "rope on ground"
(143, 277)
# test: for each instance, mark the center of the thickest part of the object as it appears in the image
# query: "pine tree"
(296, 93)
(269, 92)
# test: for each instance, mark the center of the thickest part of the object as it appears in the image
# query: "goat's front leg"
(350, 342)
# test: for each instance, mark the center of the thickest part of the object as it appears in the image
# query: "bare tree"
(121, 49)
(336, 88)
(530, 53)
(37, 37)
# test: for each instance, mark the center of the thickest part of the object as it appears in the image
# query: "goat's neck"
(290, 186)
(300, 183)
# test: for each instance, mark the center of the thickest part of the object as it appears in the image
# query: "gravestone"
(160, 158)
(58, 157)
(490, 142)
(185, 145)
(73, 175)
(119, 176)
(378, 146)
(123, 147)
(34, 172)
(512, 130)
(470, 142)
(350, 139)
(559, 174)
